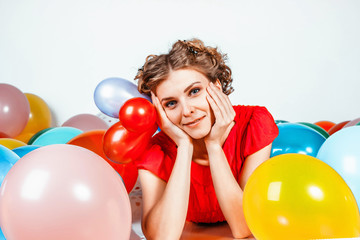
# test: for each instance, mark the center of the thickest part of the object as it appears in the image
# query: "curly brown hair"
(192, 54)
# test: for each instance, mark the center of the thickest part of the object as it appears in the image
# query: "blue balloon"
(296, 138)
(8, 155)
(7, 159)
(111, 93)
(342, 152)
(23, 150)
(57, 135)
(2, 237)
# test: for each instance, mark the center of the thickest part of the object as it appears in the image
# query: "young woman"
(196, 168)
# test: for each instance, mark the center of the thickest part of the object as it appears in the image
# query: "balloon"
(326, 125)
(39, 117)
(296, 196)
(62, 192)
(85, 122)
(137, 115)
(111, 93)
(352, 122)
(281, 121)
(341, 151)
(296, 138)
(11, 143)
(7, 159)
(57, 135)
(22, 151)
(14, 110)
(2, 237)
(3, 135)
(93, 141)
(337, 127)
(38, 134)
(123, 146)
(316, 128)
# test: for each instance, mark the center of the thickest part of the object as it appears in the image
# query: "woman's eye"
(170, 104)
(194, 91)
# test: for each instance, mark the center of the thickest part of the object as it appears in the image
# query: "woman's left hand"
(224, 115)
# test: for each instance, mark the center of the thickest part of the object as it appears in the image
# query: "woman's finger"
(223, 102)
(217, 111)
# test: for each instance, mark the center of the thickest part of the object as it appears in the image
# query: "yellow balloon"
(11, 143)
(39, 117)
(296, 196)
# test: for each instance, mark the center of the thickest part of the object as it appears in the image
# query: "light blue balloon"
(342, 152)
(23, 150)
(7, 159)
(296, 138)
(57, 135)
(111, 93)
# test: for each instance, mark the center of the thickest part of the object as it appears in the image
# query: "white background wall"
(299, 58)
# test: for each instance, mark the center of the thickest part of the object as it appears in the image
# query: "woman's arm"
(229, 190)
(165, 204)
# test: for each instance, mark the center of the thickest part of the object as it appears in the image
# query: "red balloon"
(326, 125)
(137, 114)
(4, 135)
(93, 141)
(123, 146)
(337, 127)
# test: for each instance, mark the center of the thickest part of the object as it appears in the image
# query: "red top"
(254, 129)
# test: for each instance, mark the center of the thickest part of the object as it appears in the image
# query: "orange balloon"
(39, 117)
(93, 141)
(11, 143)
(326, 125)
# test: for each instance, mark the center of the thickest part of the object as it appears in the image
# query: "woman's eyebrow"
(190, 86)
(185, 90)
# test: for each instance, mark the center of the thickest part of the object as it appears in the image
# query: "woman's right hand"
(173, 131)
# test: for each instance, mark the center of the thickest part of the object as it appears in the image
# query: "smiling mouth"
(193, 123)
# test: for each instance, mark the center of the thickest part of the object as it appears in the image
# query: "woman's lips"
(194, 123)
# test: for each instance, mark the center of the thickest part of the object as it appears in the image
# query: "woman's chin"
(197, 135)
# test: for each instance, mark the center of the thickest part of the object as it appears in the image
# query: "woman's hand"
(173, 131)
(224, 115)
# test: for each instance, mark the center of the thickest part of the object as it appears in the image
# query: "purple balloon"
(353, 122)
(14, 110)
(111, 93)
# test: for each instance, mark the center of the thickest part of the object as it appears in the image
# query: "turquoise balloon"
(38, 134)
(7, 160)
(296, 138)
(23, 150)
(342, 152)
(57, 135)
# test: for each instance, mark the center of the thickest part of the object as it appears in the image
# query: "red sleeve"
(261, 131)
(155, 159)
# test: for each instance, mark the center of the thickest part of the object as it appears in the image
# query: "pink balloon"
(86, 122)
(352, 123)
(62, 192)
(14, 110)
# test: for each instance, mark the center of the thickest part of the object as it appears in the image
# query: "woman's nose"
(188, 109)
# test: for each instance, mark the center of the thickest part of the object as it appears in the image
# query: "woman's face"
(183, 97)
